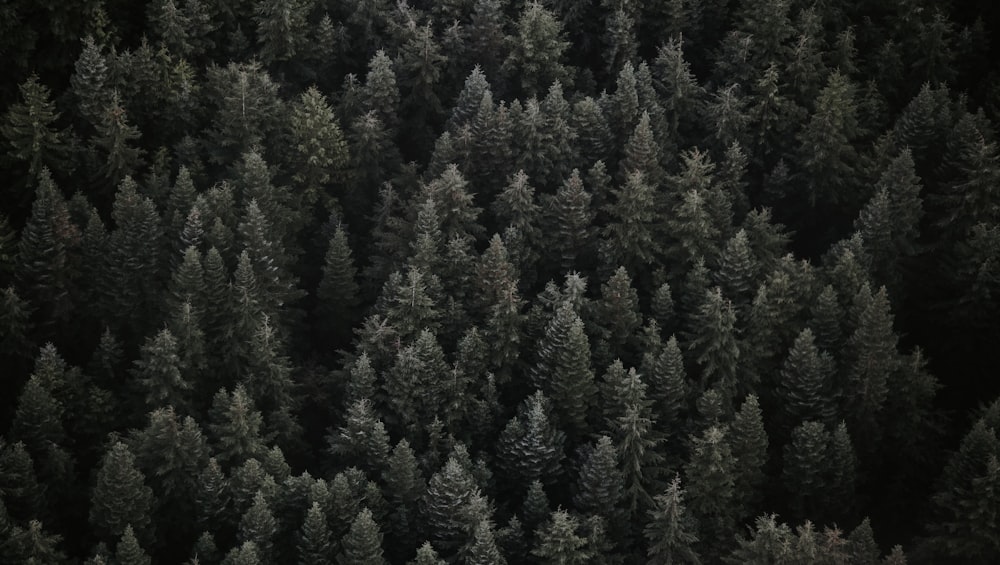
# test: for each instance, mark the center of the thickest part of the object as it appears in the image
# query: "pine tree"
(318, 147)
(129, 552)
(280, 30)
(172, 451)
(362, 441)
(134, 265)
(41, 547)
(235, 426)
(683, 99)
(426, 555)
(530, 446)
(643, 154)
(405, 485)
(30, 130)
(446, 505)
(115, 141)
(637, 442)
(737, 272)
(599, 485)
(715, 343)
(569, 219)
(827, 154)
(671, 531)
(629, 236)
(120, 497)
(483, 549)
(536, 52)
(806, 388)
(243, 554)
(558, 543)
(42, 269)
(259, 526)
(22, 493)
(246, 109)
(381, 94)
(314, 545)
(159, 372)
(873, 359)
(749, 444)
(90, 81)
(711, 475)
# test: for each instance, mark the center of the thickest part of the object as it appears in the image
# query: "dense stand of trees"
(495, 281)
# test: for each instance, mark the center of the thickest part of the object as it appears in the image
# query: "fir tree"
(806, 388)
(749, 444)
(319, 150)
(483, 549)
(711, 475)
(670, 530)
(129, 552)
(537, 50)
(569, 218)
(629, 237)
(530, 446)
(114, 139)
(30, 130)
(715, 343)
(120, 497)
(558, 541)
(362, 440)
(235, 426)
(259, 526)
(314, 545)
(598, 488)
(90, 81)
(159, 372)
(827, 155)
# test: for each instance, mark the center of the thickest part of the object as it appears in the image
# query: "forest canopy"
(498, 281)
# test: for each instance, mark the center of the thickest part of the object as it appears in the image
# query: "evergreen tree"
(381, 94)
(235, 426)
(447, 505)
(806, 387)
(569, 218)
(872, 361)
(484, 550)
(120, 497)
(90, 81)
(362, 440)
(159, 373)
(629, 237)
(114, 140)
(30, 130)
(536, 50)
(280, 30)
(318, 147)
(558, 542)
(530, 446)
(715, 343)
(129, 552)
(827, 154)
(804, 472)
(711, 475)
(41, 547)
(314, 546)
(749, 445)
(259, 526)
(670, 530)
(245, 106)
(599, 486)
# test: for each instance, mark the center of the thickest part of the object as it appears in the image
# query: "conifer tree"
(872, 361)
(806, 388)
(259, 526)
(805, 463)
(280, 30)
(129, 552)
(362, 441)
(318, 147)
(381, 94)
(42, 269)
(827, 154)
(120, 497)
(446, 505)
(537, 50)
(629, 237)
(243, 554)
(483, 549)
(405, 485)
(90, 81)
(569, 218)
(715, 343)
(558, 541)
(159, 372)
(749, 444)
(671, 530)
(599, 486)
(314, 546)
(246, 109)
(114, 139)
(235, 426)
(30, 130)
(530, 446)
(711, 474)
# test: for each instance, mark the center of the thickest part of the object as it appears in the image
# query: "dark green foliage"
(530, 446)
(670, 530)
(305, 279)
(30, 131)
(558, 541)
(120, 497)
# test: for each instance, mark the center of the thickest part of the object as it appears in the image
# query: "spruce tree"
(711, 478)
(568, 217)
(259, 526)
(159, 373)
(715, 345)
(537, 50)
(806, 388)
(530, 447)
(629, 237)
(671, 530)
(235, 426)
(362, 441)
(483, 550)
(120, 497)
(599, 486)
(314, 545)
(30, 130)
(318, 148)
(749, 444)
(129, 552)
(558, 541)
